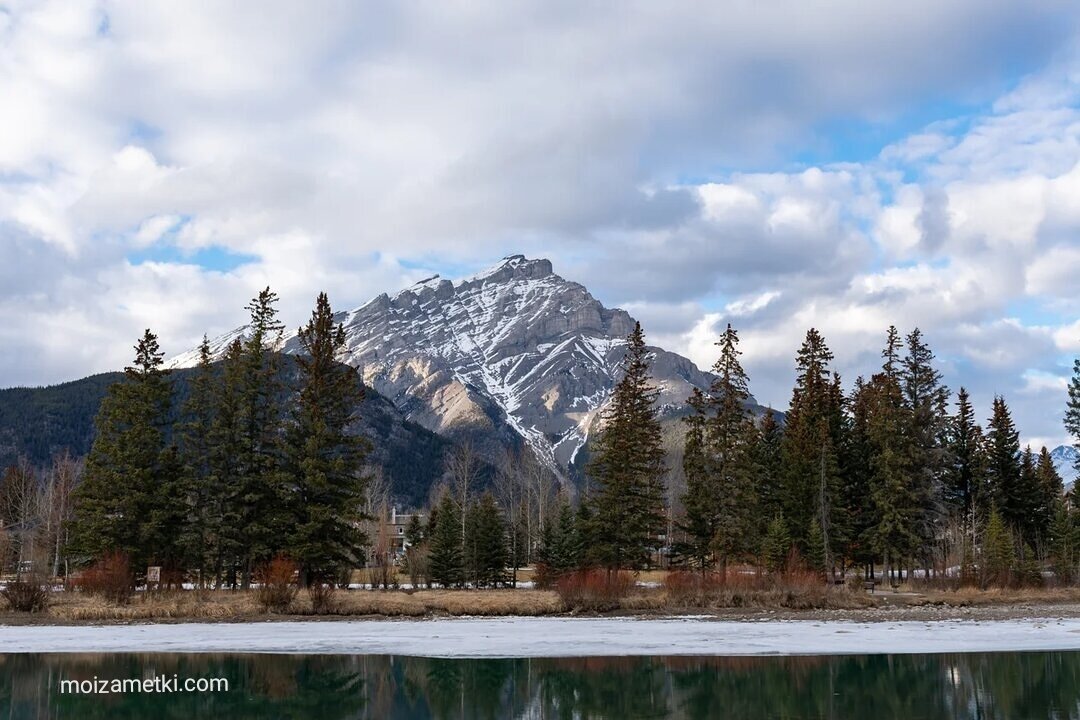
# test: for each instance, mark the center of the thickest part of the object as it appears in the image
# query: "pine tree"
(447, 553)
(488, 554)
(628, 468)
(323, 460)
(1003, 467)
(121, 505)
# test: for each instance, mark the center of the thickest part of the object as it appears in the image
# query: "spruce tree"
(925, 402)
(225, 536)
(770, 467)
(1048, 491)
(488, 554)
(858, 474)
(628, 468)
(811, 447)
(998, 551)
(195, 438)
(263, 504)
(730, 444)
(963, 488)
(1003, 468)
(1063, 543)
(447, 553)
(699, 524)
(323, 459)
(121, 505)
(1072, 410)
(777, 545)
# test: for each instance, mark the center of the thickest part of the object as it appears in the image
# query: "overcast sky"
(778, 165)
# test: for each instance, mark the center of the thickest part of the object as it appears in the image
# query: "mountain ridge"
(512, 350)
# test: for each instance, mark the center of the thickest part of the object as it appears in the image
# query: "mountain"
(1064, 457)
(37, 423)
(513, 353)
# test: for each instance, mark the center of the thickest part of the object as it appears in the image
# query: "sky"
(777, 165)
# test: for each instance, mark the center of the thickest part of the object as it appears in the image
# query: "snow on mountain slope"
(513, 347)
(1064, 457)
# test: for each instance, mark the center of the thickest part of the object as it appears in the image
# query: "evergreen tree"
(1063, 543)
(776, 545)
(628, 468)
(770, 467)
(1072, 409)
(323, 460)
(925, 402)
(1048, 490)
(730, 443)
(815, 547)
(488, 554)
(858, 474)
(263, 504)
(998, 552)
(896, 499)
(700, 523)
(447, 553)
(122, 503)
(811, 447)
(196, 437)
(964, 482)
(1003, 468)
(414, 533)
(224, 533)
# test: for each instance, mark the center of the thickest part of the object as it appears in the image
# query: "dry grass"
(974, 597)
(227, 605)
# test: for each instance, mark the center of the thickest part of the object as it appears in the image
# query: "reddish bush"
(26, 594)
(595, 590)
(110, 577)
(692, 588)
(277, 584)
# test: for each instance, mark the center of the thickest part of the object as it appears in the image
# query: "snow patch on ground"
(554, 637)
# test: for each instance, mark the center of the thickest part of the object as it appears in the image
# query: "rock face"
(1064, 457)
(513, 354)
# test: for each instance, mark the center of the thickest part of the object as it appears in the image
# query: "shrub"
(26, 594)
(323, 598)
(691, 589)
(594, 590)
(277, 584)
(110, 577)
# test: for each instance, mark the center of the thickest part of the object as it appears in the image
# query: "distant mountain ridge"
(513, 353)
(1064, 457)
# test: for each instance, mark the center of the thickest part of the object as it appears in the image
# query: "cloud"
(658, 159)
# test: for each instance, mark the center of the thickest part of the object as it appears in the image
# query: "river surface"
(1006, 685)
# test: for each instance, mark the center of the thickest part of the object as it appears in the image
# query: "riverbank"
(555, 637)
(73, 609)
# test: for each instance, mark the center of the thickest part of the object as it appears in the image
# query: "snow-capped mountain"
(1064, 457)
(515, 349)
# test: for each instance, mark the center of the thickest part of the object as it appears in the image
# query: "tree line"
(255, 462)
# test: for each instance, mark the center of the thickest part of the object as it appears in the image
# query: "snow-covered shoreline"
(554, 637)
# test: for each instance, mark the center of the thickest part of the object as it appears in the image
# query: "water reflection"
(1001, 685)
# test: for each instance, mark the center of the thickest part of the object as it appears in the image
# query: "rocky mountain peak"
(513, 353)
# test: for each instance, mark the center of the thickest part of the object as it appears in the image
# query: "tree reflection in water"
(998, 685)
